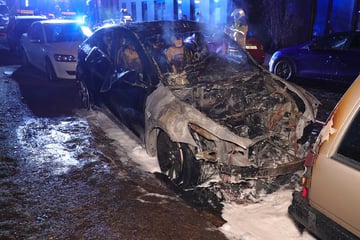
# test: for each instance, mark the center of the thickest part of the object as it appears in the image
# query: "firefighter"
(239, 28)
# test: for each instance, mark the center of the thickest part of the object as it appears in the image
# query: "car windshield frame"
(215, 50)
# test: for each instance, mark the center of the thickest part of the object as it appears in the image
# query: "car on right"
(328, 202)
(332, 58)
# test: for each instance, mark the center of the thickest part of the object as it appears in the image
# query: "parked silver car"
(51, 46)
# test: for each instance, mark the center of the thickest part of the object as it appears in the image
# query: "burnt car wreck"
(212, 113)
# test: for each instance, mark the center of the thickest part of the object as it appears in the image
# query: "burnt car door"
(125, 91)
(98, 62)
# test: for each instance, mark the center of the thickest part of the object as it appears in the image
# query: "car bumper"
(259, 56)
(316, 222)
(65, 70)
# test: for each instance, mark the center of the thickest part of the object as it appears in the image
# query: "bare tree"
(283, 21)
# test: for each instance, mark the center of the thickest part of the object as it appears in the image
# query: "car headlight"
(64, 58)
(206, 142)
(211, 148)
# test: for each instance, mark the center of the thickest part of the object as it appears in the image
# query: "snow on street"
(267, 219)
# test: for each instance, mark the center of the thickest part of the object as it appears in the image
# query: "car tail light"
(251, 47)
(64, 58)
(306, 178)
(305, 182)
(309, 159)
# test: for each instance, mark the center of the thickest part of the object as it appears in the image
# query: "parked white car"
(51, 46)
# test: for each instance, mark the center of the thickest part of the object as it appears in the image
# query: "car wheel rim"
(170, 158)
(284, 70)
(84, 95)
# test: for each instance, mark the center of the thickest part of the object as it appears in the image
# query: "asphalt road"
(61, 178)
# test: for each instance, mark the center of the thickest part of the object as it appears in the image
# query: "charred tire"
(84, 95)
(177, 162)
(284, 69)
(50, 72)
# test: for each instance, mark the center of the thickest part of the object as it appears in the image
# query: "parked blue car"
(331, 58)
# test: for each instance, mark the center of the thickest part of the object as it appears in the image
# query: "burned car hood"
(249, 114)
(250, 103)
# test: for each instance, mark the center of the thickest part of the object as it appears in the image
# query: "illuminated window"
(133, 11)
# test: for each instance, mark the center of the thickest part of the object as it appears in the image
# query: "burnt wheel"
(284, 69)
(50, 72)
(177, 162)
(84, 95)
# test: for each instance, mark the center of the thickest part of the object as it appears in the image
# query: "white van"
(328, 204)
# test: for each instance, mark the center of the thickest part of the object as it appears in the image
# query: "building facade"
(210, 11)
(336, 16)
(331, 15)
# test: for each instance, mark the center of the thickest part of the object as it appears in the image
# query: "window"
(127, 54)
(349, 150)
(36, 32)
(63, 32)
(332, 42)
(133, 11)
(355, 43)
(144, 11)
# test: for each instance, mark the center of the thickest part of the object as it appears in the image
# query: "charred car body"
(198, 102)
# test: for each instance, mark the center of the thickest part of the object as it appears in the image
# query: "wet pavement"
(61, 178)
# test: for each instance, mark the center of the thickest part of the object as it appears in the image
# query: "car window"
(22, 25)
(127, 54)
(332, 42)
(63, 32)
(105, 42)
(97, 40)
(35, 32)
(174, 53)
(355, 43)
(349, 150)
